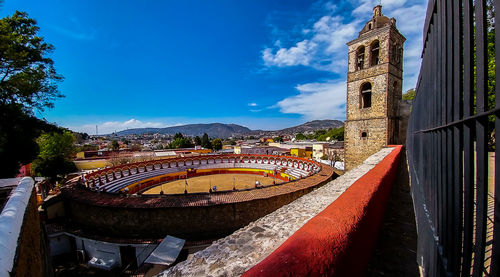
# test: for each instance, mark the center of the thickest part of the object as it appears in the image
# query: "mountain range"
(222, 130)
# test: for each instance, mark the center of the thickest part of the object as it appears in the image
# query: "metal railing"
(451, 141)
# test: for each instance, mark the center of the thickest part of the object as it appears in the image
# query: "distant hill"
(221, 130)
(212, 129)
(310, 126)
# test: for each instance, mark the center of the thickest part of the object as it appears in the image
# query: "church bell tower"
(374, 88)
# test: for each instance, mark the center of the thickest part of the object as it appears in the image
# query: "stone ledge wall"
(339, 240)
(240, 251)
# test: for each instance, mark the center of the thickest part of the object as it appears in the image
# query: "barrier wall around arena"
(340, 239)
(191, 216)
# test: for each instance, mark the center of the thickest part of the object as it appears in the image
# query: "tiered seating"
(138, 174)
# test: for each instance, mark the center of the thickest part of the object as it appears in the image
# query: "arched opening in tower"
(360, 58)
(375, 53)
(366, 95)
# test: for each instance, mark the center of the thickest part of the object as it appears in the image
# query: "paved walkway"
(396, 251)
(238, 252)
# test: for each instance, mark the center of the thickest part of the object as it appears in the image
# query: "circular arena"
(194, 198)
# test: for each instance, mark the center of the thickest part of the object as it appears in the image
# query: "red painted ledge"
(339, 240)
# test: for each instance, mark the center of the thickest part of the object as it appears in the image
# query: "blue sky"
(262, 64)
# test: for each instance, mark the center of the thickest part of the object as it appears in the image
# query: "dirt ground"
(204, 183)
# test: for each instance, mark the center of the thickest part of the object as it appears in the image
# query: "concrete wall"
(339, 240)
(22, 248)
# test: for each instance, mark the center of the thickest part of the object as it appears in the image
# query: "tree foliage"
(56, 149)
(28, 81)
(409, 94)
(18, 131)
(114, 145)
(27, 75)
(205, 141)
(300, 136)
(217, 144)
(180, 142)
(197, 140)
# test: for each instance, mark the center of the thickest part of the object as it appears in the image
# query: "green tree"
(56, 149)
(217, 144)
(278, 139)
(230, 142)
(18, 131)
(197, 140)
(27, 75)
(178, 135)
(28, 82)
(183, 142)
(338, 134)
(114, 145)
(333, 134)
(300, 136)
(205, 141)
(409, 94)
(88, 147)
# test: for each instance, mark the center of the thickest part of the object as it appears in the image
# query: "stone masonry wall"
(358, 148)
(380, 121)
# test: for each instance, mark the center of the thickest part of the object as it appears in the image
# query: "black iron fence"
(451, 141)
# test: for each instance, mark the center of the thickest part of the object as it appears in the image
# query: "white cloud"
(323, 47)
(300, 54)
(252, 104)
(323, 50)
(109, 127)
(317, 101)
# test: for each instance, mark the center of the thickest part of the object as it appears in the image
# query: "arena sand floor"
(204, 183)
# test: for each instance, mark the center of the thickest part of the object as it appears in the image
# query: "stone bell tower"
(374, 88)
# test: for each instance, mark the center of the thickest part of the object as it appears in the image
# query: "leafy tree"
(178, 135)
(409, 94)
(217, 144)
(230, 142)
(278, 139)
(205, 141)
(80, 137)
(197, 140)
(56, 149)
(27, 75)
(136, 147)
(333, 134)
(114, 145)
(28, 81)
(338, 134)
(88, 147)
(300, 136)
(18, 131)
(180, 143)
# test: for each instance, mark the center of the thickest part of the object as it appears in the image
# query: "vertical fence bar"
(481, 138)
(457, 183)
(495, 255)
(468, 143)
